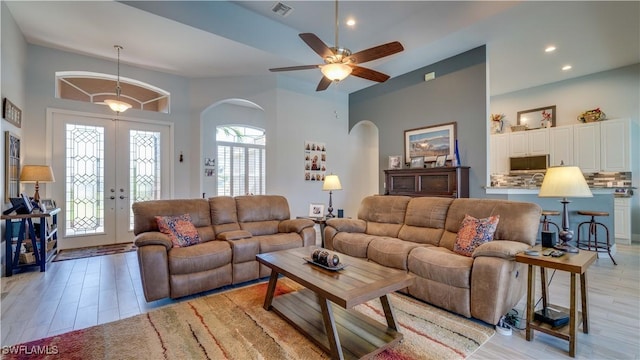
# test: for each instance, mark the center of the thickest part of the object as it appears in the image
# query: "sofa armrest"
(294, 225)
(502, 249)
(153, 238)
(348, 225)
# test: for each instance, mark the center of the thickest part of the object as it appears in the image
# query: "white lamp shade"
(564, 181)
(117, 105)
(36, 173)
(335, 72)
(331, 182)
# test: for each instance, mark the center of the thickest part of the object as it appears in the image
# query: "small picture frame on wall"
(417, 162)
(11, 113)
(395, 162)
(316, 210)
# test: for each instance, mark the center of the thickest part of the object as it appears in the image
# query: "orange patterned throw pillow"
(180, 230)
(474, 232)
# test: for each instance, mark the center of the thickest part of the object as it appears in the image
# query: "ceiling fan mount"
(340, 62)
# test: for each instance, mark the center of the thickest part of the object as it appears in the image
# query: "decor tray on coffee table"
(323, 311)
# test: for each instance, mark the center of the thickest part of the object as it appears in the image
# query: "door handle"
(122, 197)
(112, 197)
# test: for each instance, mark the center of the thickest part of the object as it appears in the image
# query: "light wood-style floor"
(76, 294)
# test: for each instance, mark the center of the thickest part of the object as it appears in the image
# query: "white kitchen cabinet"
(603, 146)
(561, 145)
(615, 144)
(586, 147)
(622, 219)
(528, 143)
(499, 154)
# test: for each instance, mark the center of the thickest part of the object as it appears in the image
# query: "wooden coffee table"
(323, 311)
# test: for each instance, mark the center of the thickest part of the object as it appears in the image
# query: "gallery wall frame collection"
(315, 160)
(430, 142)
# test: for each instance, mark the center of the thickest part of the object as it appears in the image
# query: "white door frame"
(49, 139)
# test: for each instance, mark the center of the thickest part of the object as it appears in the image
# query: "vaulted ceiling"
(220, 38)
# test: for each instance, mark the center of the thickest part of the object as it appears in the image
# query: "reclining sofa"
(233, 230)
(418, 235)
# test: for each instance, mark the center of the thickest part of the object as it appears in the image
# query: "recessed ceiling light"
(351, 22)
(566, 67)
(550, 48)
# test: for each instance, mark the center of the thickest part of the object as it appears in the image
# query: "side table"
(46, 233)
(322, 221)
(575, 264)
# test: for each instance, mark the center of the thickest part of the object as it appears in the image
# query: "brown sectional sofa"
(418, 235)
(233, 231)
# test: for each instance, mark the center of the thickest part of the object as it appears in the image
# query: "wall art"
(430, 142)
(315, 158)
(11, 166)
(11, 113)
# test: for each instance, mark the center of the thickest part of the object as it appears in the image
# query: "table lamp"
(564, 182)
(331, 182)
(37, 174)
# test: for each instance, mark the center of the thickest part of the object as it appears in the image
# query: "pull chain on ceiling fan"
(339, 62)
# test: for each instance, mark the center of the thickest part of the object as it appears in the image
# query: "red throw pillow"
(180, 230)
(474, 232)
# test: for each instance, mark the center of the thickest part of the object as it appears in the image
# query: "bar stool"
(592, 241)
(546, 222)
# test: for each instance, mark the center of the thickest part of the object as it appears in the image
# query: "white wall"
(616, 92)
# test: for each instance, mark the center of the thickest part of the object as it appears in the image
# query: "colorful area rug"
(233, 325)
(70, 254)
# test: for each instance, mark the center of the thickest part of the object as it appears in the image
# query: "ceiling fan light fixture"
(117, 105)
(336, 72)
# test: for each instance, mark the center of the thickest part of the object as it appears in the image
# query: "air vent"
(282, 9)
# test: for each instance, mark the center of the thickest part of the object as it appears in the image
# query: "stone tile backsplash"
(621, 179)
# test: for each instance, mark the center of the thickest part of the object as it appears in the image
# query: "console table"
(48, 232)
(443, 182)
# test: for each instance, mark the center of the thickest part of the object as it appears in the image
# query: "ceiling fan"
(339, 62)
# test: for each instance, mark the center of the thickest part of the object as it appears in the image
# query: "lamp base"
(566, 248)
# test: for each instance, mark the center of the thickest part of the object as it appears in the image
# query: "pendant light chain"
(118, 89)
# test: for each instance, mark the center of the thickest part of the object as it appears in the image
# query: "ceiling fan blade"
(368, 74)
(377, 52)
(316, 44)
(291, 68)
(323, 84)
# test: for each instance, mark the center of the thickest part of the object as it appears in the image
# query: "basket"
(515, 128)
(27, 258)
(592, 117)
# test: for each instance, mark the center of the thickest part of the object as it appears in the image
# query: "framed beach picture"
(430, 142)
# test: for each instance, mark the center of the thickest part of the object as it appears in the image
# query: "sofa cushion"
(384, 214)
(390, 252)
(145, 212)
(223, 214)
(201, 257)
(352, 244)
(519, 221)
(276, 242)
(179, 229)
(475, 232)
(425, 219)
(441, 265)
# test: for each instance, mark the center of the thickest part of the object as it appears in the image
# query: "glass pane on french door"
(107, 165)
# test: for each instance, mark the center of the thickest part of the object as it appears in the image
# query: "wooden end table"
(322, 310)
(575, 264)
(322, 221)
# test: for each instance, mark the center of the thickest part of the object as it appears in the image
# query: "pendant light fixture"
(117, 105)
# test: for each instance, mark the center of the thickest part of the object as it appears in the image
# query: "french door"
(102, 166)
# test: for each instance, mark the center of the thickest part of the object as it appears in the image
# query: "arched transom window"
(96, 88)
